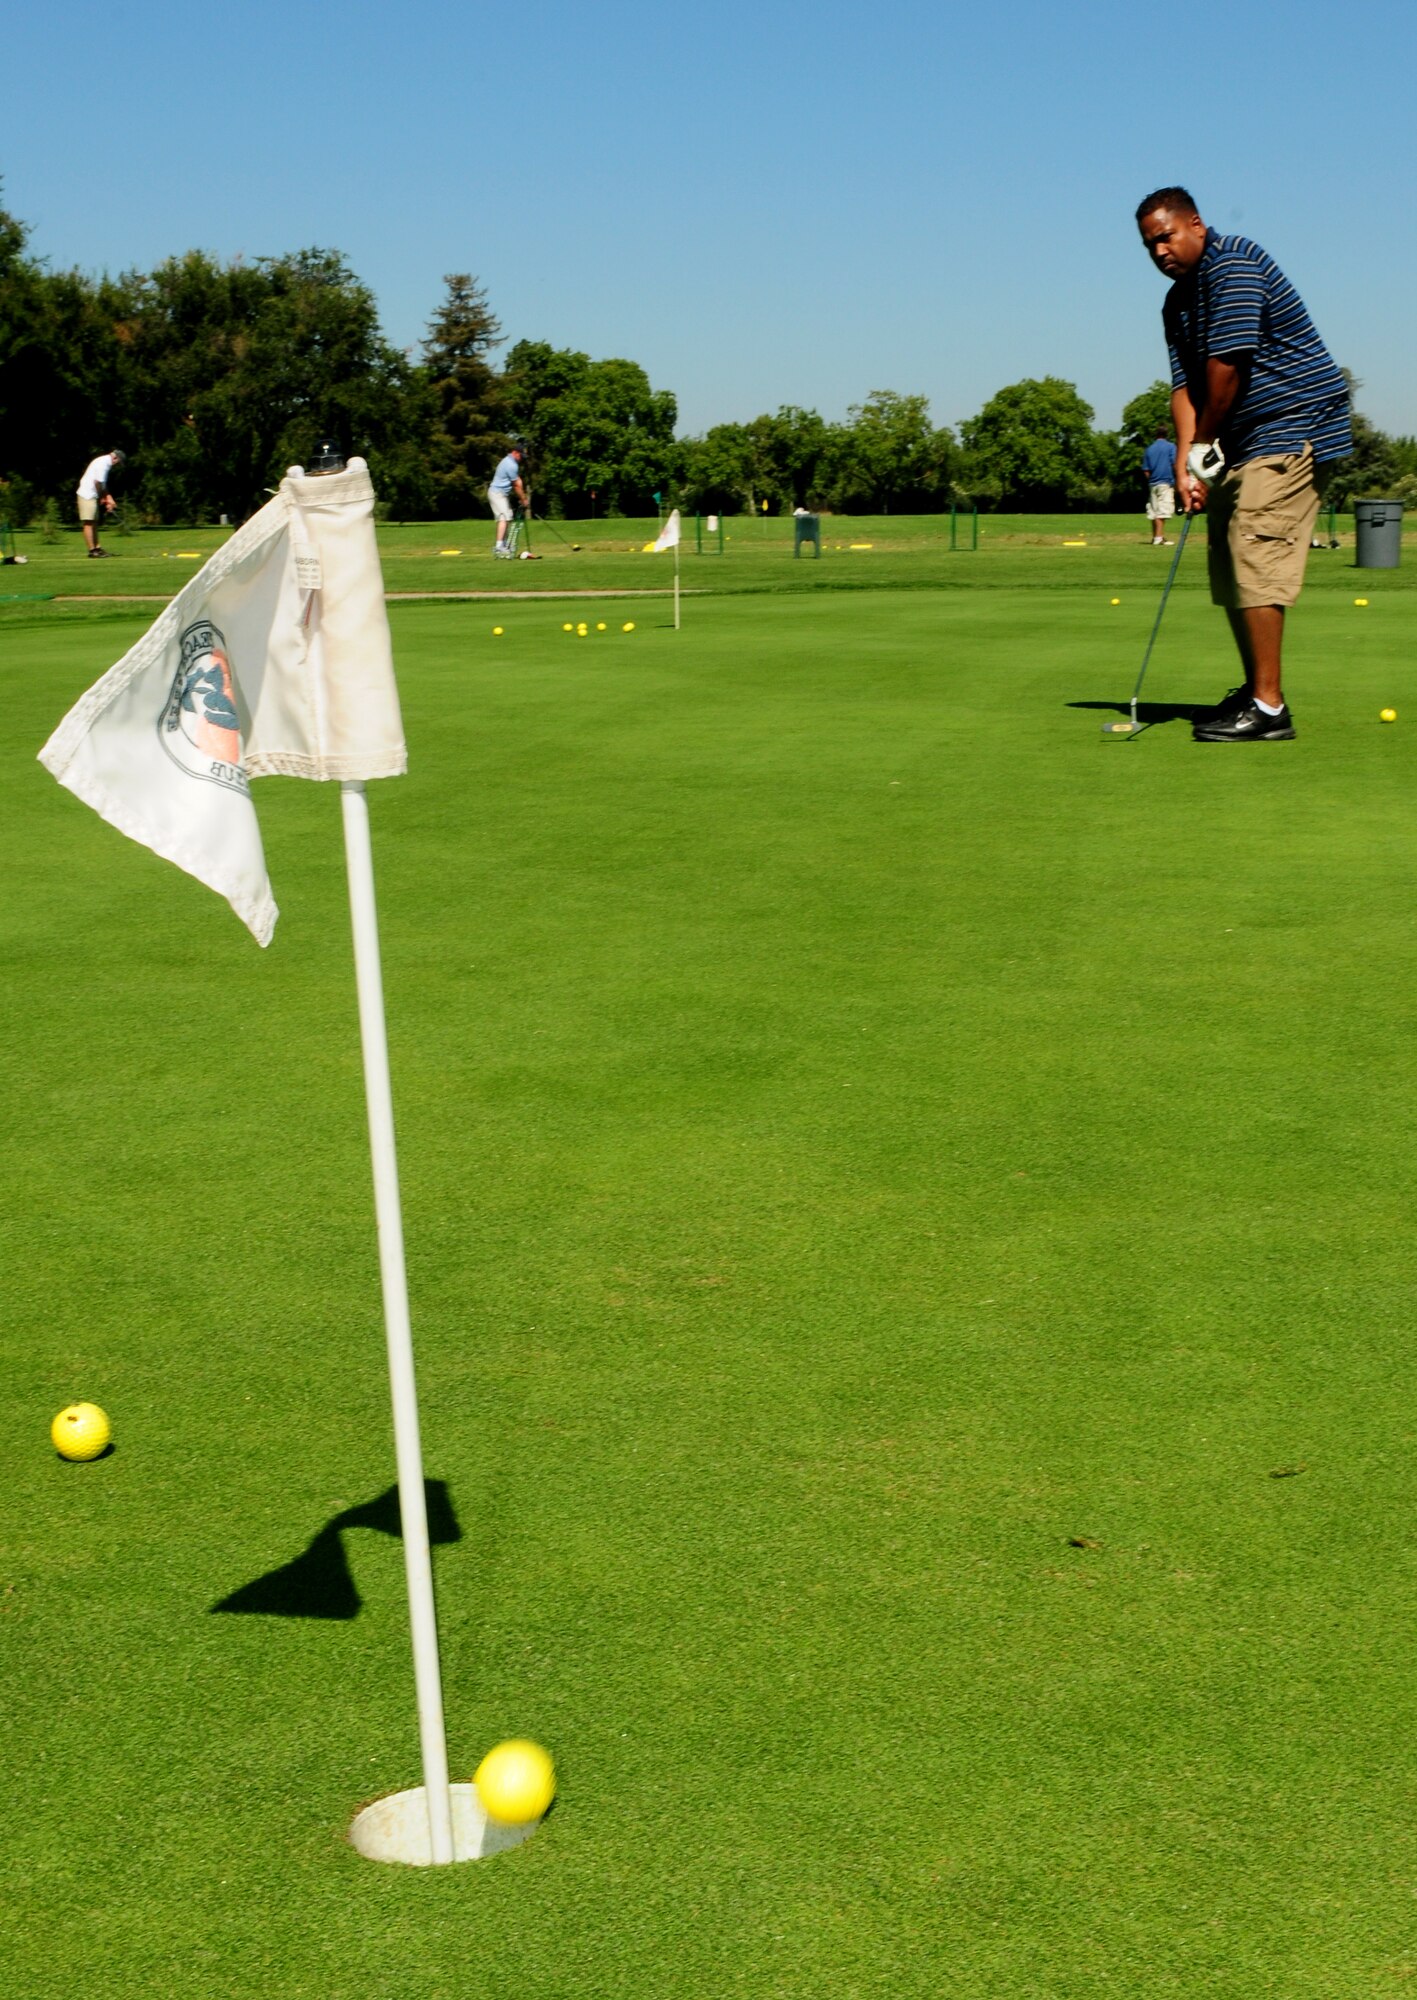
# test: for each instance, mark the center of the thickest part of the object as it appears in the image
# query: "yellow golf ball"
(516, 1782)
(568, 628)
(580, 631)
(628, 628)
(1388, 715)
(1116, 600)
(496, 631)
(81, 1431)
(601, 626)
(1360, 600)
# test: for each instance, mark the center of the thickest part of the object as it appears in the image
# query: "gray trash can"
(1379, 533)
(806, 529)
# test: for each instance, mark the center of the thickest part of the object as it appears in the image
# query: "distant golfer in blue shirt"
(1261, 414)
(506, 491)
(1159, 465)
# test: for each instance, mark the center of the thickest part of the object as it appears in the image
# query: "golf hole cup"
(396, 1828)
(509, 1796)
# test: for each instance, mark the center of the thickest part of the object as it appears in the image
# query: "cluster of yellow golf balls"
(581, 631)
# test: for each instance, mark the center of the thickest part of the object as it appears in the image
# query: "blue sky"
(762, 203)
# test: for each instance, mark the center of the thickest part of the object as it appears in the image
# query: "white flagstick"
(413, 1511)
(676, 583)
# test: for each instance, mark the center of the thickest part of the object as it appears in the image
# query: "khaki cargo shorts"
(1161, 502)
(1262, 516)
(88, 509)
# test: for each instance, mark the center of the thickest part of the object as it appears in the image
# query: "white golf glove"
(1205, 462)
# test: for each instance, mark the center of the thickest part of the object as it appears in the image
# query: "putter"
(1132, 727)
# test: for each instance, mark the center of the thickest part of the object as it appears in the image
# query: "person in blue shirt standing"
(1159, 465)
(1261, 411)
(507, 491)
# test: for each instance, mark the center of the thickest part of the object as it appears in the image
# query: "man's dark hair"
(1173, 200)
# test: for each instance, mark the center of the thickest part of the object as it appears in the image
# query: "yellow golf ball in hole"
(516, 1782)
(1388, 715)
(628, 628)
(82, 1431)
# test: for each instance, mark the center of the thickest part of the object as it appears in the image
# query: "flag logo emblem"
(199, 727)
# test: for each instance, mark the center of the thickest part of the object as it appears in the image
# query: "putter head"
(1122, 728)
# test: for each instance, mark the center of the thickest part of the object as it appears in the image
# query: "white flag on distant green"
(275, 660)
(668, 534)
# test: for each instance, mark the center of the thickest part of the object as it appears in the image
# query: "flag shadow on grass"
(319, 1582)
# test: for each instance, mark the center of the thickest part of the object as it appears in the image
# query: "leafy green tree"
(590, 426)
(24, 367)
(772, 458)
(718, 470)
(1144, 416)
(468, 435)
(795, 440)
(1032, 447)
(886, 458)
(234, 371)
(902, 459)
(58, 369)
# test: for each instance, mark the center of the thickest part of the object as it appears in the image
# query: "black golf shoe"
(1230, 703)
(1246, 723)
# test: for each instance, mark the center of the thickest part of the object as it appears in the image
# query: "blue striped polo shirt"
(1238, 301)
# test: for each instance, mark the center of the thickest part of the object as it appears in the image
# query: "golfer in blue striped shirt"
(1261, 413)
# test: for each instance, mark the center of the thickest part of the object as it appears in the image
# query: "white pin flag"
(669, 539)
(276, 660)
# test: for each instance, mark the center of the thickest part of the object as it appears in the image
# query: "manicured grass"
(892, 1180)
(867, 553)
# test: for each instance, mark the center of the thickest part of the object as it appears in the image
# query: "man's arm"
(1224, 385)
(520, 491)
(1183, 415)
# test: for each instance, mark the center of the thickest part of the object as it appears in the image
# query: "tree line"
(214, 377)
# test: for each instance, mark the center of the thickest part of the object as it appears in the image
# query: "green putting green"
(910, 1219)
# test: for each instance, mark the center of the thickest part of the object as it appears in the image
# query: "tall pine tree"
(468, 435)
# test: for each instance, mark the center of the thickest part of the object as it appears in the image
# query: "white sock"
(1265, 709)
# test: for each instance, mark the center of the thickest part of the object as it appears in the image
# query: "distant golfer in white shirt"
(93, 494)
(506, 491)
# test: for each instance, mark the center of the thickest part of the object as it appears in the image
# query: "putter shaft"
(1156, 627)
